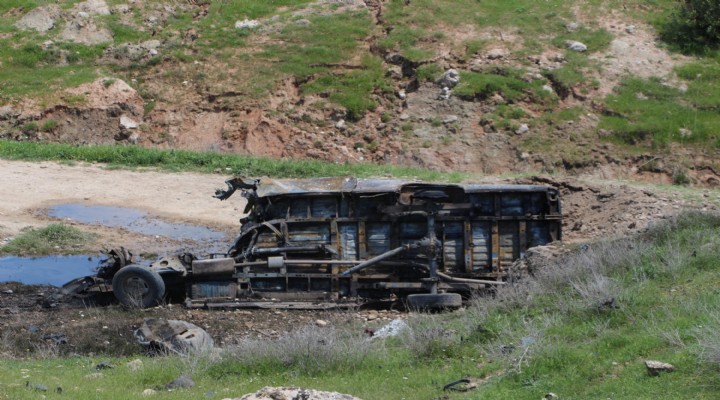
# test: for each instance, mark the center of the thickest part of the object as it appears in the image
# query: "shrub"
(704, 16)
(49, 125)
(53, 239)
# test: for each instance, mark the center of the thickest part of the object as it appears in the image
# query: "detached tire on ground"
(138, 287)
(439, 301)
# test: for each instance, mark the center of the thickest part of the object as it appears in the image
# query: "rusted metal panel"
(378, 238)
(214, 290)
(348, 241)
(453, 246)
(481, 246)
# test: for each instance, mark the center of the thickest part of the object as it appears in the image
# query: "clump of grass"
(184, 160)
(53, 239)
(308, 350)
(49, 125)
(506, 82)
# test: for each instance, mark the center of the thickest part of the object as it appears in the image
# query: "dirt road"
(28, 189)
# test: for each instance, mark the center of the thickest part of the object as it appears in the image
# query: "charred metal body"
(342, 240)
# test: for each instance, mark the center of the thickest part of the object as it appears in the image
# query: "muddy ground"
(592, 209)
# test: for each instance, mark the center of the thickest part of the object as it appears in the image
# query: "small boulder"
(40, 19)
(321, 323)
(182, 382)
(522, 129)
(134, 365)
(450, 78)
(654, 368)
(495, 54)
(576, 46)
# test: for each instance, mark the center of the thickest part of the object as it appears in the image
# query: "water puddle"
(52, 270)
(134, 220)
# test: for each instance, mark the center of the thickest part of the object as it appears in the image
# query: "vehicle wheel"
(439, 301)
(138, 287)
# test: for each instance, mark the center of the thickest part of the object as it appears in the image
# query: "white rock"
(134, 365)
(630, 29)
(495, 54)
(450, 78)
(341, 125)
(576, 46)
(321, 323)
(149, 392)
(450, 119)
(401, 94)
(547, 88)
(127, 122)
(522, 129)
(247, 24)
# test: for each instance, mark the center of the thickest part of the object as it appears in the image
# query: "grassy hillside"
(308, 64)
(581, 328)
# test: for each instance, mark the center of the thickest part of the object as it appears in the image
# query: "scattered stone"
(36, 386)
(9, 291)
(104, 365)
(289, 393)
(548, 88)
(182, 382)
(401, 94)
(558, 57)
(127, 122)
(341, 125)
(94, 7)
(572, 26)
(134, 365)
(551, 396)
(32, 329)
(149, 392)
(404, 117)
(85, 31)
(321, 323)
(576, 46)
(247, 24)
(522, 129)
(394, 328)
(685, 133)
(121, 9)
(450, 78)
(450, 119)
(654, 368)
(495, 54)
(445, 93)
(630, 29)
(160, 336)
(40, 19)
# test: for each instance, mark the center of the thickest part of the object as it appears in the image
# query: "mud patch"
(52, 270)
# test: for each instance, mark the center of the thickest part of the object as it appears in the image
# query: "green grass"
(647, 112)
(52, 239)
(182, 160)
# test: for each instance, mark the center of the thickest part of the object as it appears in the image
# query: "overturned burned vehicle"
(333, 241)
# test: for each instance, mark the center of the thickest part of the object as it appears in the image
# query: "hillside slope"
(447, 85)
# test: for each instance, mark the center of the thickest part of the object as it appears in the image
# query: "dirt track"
(30, 188)
(591, 210)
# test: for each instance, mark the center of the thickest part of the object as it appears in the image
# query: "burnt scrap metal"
(329, 241)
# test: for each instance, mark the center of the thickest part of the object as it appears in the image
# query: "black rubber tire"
(138, 287)
(439, 301)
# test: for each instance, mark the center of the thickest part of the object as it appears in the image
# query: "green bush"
(704, 16)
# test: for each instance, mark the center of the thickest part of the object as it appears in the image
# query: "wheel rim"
(136, 287)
